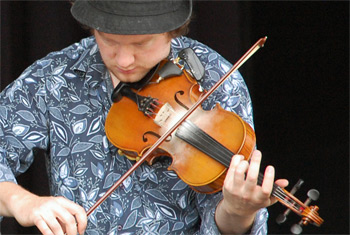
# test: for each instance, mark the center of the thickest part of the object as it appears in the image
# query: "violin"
(172, 123)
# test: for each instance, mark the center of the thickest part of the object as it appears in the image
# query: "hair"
(181, 31)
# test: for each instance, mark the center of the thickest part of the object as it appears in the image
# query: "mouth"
(126, 71)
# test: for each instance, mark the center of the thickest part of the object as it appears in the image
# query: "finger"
(82, 222)
(268, 181)
(79, 214)
(54, 225)
(282, 183)
(239, 176)
(253, 171)
(69, 225)
(62, 226)
(74, 217)
(43, 227)
(236, 159)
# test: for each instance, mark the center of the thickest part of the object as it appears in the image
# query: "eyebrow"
(144, 40)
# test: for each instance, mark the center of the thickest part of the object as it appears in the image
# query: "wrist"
(240, 211)
(18, 199)
(233, 221)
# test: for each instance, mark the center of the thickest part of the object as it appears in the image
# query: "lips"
(124, 71)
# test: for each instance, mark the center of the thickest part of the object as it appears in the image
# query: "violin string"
(189, 132)
(279, 193)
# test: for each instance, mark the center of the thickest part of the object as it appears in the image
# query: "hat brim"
(118, 22)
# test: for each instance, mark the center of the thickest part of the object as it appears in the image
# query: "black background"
(299, 84)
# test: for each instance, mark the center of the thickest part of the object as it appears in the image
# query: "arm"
(52, 215)
(23, 116)
(242, 197)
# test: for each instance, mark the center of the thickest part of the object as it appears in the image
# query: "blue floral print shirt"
(60, 104)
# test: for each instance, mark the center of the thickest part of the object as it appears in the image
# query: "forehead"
(119, 38)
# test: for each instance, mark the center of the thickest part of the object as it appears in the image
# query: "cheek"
(106, 51)
(107, 54)
(166, 49)
(158, 53)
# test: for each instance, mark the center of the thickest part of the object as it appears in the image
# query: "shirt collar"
(89, 66)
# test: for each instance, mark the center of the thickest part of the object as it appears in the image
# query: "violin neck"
(277, 191)
(284, 197)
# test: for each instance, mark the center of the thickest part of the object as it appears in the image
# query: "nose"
(125, 57)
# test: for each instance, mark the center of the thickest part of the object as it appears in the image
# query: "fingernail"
(270, 169)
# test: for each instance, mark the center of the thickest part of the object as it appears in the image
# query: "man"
(60, 104)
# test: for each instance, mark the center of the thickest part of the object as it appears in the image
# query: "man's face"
(130, 57)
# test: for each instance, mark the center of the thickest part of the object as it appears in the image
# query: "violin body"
(134, 133)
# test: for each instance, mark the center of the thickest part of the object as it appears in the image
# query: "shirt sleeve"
(207, 205)
(23, 125)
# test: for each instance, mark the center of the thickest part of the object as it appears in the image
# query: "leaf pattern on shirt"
(60, 104)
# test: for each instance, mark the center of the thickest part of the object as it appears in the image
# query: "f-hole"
(178, 101)
(144, 137)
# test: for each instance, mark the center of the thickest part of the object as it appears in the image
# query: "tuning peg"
(313, 195)
(296, 228)
(281, 218)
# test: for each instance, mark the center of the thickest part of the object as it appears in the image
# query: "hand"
(52, 215)
(242, 195)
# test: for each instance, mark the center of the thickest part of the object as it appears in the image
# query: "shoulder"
(185, 42)
(215, 64)
(64, 59)
(204, 52)
(56, 68)
(233, 95)
(69, 56)
(211, 59)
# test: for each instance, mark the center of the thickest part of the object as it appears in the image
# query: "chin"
(130, 77)
(130, 80)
